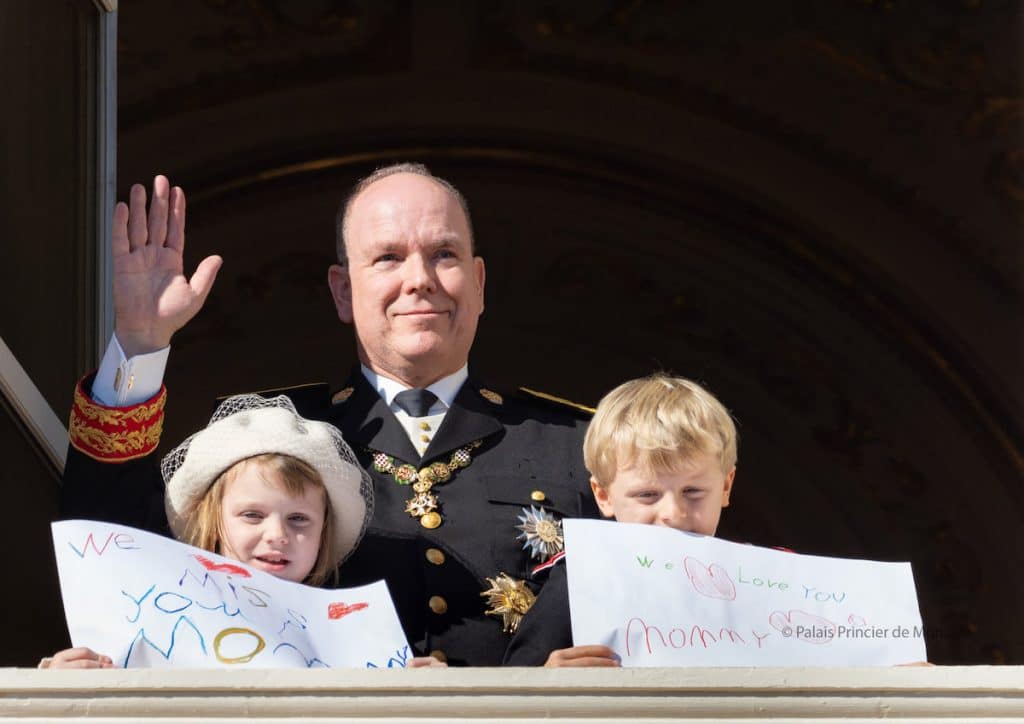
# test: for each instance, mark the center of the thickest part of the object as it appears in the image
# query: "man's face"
(689, 498)
(411, 285)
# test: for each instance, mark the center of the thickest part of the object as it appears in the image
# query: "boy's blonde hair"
(657, 423)
(203, 527)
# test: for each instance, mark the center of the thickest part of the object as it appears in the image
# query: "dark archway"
(816, 214)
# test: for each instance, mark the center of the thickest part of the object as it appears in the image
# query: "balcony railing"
(950, 694)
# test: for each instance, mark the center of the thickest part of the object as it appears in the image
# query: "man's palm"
(152, 297)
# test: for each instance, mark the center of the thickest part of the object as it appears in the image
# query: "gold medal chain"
(423, 505)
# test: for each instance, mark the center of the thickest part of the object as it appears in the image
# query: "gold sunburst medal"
(510, 599)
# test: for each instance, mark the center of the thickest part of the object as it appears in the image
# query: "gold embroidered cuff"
(116, 434)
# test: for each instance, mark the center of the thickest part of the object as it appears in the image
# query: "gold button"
(424, 425)
(435, 556)
(439, 655)
(431, 520)
(425, 438)
(537, 495)
(437, 604)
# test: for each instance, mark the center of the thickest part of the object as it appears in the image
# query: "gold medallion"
(424, 503)
(541, 533)
(509, 598)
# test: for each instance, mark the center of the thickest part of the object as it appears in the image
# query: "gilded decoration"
(510, 599)
(105, 445)
(424, 503)
(492, 397)
(541, 533)
(112, 434)
(118, 416)
(342, 395)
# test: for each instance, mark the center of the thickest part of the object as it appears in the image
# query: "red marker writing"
(223, 567)
(337, 610)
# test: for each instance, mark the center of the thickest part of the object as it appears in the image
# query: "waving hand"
(152, 297)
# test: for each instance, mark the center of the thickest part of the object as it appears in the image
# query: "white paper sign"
(149, 601)
(659, 597)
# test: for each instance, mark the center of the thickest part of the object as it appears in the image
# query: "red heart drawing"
(711, 581)
(804, 626)
(223, 567)
(337, 610)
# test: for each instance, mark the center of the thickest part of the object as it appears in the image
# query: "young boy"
(661, 450)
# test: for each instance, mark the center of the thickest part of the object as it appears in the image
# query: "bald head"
(410, 282)
(341, 221)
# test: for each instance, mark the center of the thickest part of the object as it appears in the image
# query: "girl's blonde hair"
(203, 528)
(657, 423)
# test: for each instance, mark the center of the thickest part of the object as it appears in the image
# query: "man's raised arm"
(116, 419)
(152, 297)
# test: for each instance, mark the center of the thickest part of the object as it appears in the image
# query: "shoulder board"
(560, 402)
(310, 399)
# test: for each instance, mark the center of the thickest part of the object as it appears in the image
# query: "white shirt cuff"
(123, 382)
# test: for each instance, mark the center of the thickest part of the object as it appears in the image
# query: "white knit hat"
(248, 425)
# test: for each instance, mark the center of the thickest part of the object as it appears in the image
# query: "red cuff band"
(116, 434)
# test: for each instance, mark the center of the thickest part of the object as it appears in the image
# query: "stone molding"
(962, 694)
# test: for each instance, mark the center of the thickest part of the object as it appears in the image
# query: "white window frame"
(32, 408)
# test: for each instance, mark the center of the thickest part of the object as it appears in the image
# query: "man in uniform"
(470, 485)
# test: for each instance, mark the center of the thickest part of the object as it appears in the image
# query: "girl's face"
(264, 526)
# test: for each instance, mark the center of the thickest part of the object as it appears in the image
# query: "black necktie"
(416, 403)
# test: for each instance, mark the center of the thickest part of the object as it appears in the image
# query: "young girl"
(265, 487)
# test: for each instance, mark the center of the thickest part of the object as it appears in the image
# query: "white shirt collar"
(445, 388)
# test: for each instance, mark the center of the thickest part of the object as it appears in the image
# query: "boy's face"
(266, 527)
(689, 498)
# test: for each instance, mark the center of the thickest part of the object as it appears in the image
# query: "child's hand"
(583, 656)
(425, 662)
(79, 657)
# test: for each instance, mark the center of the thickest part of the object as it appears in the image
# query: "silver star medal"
(541, 533)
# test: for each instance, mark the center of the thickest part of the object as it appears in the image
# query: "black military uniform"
(548, 625)
(530, 454)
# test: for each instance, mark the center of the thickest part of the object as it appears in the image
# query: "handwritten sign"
(659, 597)
(149, 601)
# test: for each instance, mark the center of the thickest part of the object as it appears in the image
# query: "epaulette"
(558, 402)
(310, 399)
